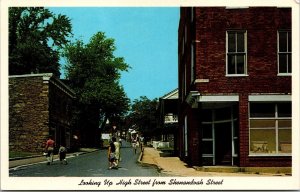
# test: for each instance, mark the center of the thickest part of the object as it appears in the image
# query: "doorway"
(219, 135)
(223, 140)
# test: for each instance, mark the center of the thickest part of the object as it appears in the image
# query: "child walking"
(62, 154)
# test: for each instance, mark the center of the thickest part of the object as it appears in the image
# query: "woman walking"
(111, 155)
(117, 151)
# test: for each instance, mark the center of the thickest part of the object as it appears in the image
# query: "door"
(219, 136)
(223, 143)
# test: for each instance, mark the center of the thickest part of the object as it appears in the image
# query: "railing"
(171, 118)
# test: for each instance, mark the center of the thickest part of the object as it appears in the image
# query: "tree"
(143, 116)
(36, 37)
(94, 73)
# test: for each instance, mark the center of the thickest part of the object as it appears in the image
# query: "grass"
(15, 154)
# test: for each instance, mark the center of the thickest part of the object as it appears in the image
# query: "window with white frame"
(270, 128)
(236, 53)
(284, 52)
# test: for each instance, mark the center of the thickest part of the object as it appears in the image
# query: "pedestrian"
(133, 143)
(120, 141)
(141, 142)
(111, 155)
(62, 154)
(117, 151)
(49, 150)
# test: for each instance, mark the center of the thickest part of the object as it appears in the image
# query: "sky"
(146, 37)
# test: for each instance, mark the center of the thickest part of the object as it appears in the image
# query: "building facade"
(235, 86)
(40, 105)
(168, 118)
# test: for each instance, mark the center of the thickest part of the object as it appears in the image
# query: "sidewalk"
(41, 159)
(173, 166)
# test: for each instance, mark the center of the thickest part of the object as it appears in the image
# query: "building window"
(236, 48)
(284, 52)
(270, 128)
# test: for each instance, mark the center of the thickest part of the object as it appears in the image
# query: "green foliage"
(94, 74)
(36, 37)
(143, 115)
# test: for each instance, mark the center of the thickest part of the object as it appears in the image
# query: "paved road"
(93, 164)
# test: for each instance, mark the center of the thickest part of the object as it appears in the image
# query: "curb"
(33, 161)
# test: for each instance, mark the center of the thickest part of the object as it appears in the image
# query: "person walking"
(141, 142)
(62, 154)
(117, 151)
(111, 155)
(49, 150)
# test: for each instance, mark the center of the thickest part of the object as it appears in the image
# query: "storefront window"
(270, 128)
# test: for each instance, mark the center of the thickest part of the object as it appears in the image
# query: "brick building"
(39, 105)
(235, 86)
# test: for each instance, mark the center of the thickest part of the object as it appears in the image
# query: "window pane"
(262, 124)
(284, 124)
(231, 64)
(236, 146)
(263, 141)
(223, 114)
(262, 110)
(284, 109)
(289, 63)
(240, 64)
(289, 42)
(231, 42)
(236, 129)
(285, 140)
(282, 42)
(207, 147)
(240, 42)
(207, 131)
(206, 115)
(282, 63)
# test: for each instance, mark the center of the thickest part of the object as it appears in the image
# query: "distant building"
(168, 117)
(40, 105)
(235, 86)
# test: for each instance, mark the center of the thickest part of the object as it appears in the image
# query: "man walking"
(49, 150)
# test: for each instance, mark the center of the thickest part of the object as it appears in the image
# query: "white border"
(231, 183)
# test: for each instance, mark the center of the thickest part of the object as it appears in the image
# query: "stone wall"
(39, 105)
(28, 113)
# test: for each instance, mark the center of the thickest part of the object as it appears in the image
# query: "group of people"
(114, 156)
(49, 150)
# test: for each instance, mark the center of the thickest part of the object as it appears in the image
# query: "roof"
(171, 95)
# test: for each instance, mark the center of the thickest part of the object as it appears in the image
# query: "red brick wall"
(262, 25)
(208, 33)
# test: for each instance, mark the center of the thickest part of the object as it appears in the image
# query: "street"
(94, 164)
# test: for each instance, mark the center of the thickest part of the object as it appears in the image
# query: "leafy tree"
(143, 116)
(36, 37)
(94, 73)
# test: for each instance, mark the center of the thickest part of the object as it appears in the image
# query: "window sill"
(270, 155)
(284, 74)
(237, 75)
